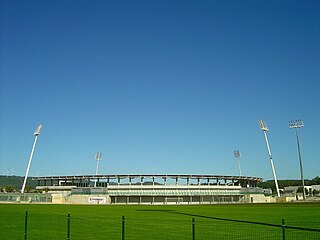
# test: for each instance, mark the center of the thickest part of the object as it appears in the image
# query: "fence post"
(123, 221)
(283, 230)
(68, 229)
(26, 226)
(193, 229)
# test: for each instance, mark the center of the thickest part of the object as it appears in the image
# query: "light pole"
(264, 128)
(98, 158)
(36, 134)
(237, 155)
(298, 124)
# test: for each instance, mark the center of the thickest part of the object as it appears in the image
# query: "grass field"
(159, 222)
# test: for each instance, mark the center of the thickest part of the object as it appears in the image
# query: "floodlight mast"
(98, 158)
(298, 124)
(264, 128)
(36, 134)
(237, 155)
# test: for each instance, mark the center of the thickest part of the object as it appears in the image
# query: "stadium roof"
(134, 176)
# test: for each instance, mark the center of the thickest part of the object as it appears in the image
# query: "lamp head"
(237, 154)
(296, 124)
(98, 156)
(263, 125)
(38, 130)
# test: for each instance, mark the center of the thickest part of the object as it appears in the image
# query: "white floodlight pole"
(298, 124)
(36, 134)
(98, 158)
(237, 155)
(264, 128)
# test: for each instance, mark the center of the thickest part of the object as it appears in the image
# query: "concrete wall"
(89, 199)
(257, 198)
(58, 198)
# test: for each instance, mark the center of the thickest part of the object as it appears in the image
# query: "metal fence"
(191, 227)
(25, 198)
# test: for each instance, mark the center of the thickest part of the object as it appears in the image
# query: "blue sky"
(159, 86)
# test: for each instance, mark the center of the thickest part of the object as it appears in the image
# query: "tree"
(28, 189)
(37, 191)
(305, 190)
(316, 180)
(9, 189)
(315, 192)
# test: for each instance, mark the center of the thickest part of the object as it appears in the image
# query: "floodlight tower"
(298, 124)
(36, 134)
(237, 155)
(264, 128)
(98, 158)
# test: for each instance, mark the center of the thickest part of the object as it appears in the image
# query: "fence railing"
(193, 227)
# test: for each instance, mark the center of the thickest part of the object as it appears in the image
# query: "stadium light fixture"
(36, 134)
(98, 158)
(264, 128)
(237, 155)
(299, 124)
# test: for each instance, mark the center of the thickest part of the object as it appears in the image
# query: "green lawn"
(159, 222)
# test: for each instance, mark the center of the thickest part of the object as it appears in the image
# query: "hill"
(16, 182)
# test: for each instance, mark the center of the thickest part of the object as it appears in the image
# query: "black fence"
(193, 227)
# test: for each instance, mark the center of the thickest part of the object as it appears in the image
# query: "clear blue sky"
(159, 86)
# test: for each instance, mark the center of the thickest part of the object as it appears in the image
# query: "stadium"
(151, 189)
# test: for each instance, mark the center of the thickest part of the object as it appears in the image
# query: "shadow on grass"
(207, 217)
(229, 220)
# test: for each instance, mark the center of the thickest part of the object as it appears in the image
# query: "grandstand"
(152, 189)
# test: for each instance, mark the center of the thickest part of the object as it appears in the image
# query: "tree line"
(289, 182)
